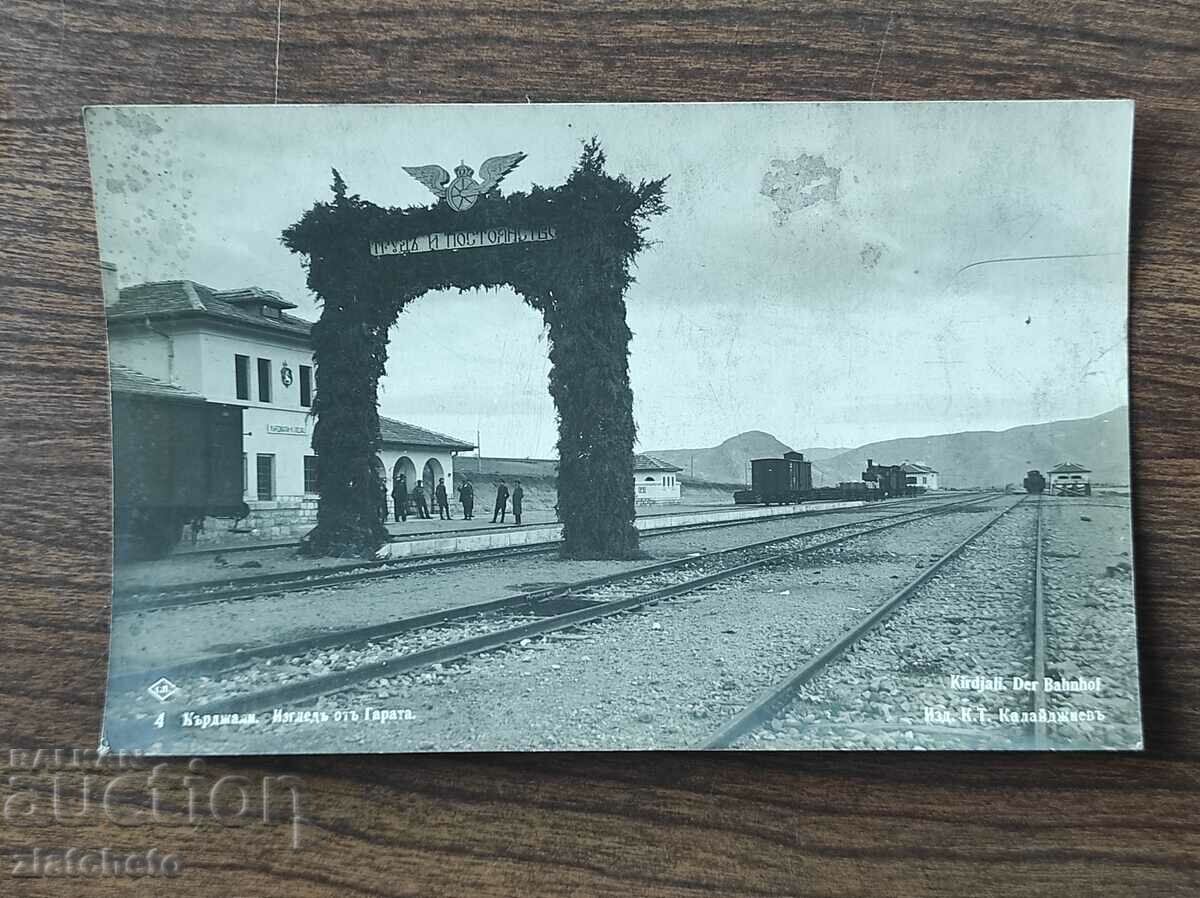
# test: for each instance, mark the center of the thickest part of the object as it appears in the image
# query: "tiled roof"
(643, 462)
(127, 381)
(913, 468)
(1069, 467)
(394, 431)
(174, 299)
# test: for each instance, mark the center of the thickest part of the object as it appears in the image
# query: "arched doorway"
(430, 474)
(566, 250)
(404, 465)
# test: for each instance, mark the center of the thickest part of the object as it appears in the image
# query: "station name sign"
(292, 430)
(434, 243)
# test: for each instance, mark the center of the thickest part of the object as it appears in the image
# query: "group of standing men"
(404, 500)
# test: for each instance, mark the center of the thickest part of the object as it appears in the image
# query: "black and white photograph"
(553, 427)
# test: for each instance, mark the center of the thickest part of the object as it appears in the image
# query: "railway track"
(537, 614)
(1039, 634)
(537, 601)
(774, 701)
(1035, 631)
(259, 586)
(1085, 645)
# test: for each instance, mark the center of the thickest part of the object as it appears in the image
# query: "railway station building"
(244, 347)
(655, 481)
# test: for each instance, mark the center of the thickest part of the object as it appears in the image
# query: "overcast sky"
(825, 273)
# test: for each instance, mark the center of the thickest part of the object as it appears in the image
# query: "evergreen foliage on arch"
(577, 281)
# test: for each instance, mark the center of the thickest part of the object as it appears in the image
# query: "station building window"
(241, 375)
(310, 474)
(305, 386)
(266, 478)
(264, 380)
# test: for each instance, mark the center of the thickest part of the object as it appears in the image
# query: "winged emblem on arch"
(462, 191)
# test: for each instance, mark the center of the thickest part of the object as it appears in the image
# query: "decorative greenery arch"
(577, 281)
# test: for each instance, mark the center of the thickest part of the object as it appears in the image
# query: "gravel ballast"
(1091, 631)
(145, 639)
(662, 677)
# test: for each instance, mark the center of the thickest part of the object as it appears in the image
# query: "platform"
(500, 536)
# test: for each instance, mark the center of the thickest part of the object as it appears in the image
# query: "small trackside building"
(655, 481)
(920, 476)
(1069, 479)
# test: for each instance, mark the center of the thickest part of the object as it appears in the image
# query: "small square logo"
(162, 689)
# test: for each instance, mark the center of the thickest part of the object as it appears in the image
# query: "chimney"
(108, 284)
(870, 463)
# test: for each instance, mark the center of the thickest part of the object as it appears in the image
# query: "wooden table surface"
(577, 824)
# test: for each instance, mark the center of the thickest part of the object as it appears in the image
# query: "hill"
(971, 458)
(726, 463)
(994, 458)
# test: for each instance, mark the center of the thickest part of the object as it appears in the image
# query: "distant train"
(788, 480)
(1034, 482)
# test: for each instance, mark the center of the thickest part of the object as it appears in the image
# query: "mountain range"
(967, 459)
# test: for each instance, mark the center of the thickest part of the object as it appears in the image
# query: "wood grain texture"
(589, 824)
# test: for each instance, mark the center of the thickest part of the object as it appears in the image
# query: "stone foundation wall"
(285, 518)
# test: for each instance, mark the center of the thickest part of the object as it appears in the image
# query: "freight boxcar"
(781, 480)
(176, 458)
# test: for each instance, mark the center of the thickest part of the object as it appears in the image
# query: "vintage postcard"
(662, 426)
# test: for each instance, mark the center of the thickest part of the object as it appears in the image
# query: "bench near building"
(243, 347)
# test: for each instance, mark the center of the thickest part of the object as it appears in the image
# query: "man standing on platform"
(443, 503)
(400, 496)
(418, 498)
(501, 502)
(466, 493)
(518, 495)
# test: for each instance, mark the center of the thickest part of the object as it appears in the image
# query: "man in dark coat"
(518, 495)
(443, 503)
(400, 497)
(418, 500)
(501, 502)
(466, 493)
